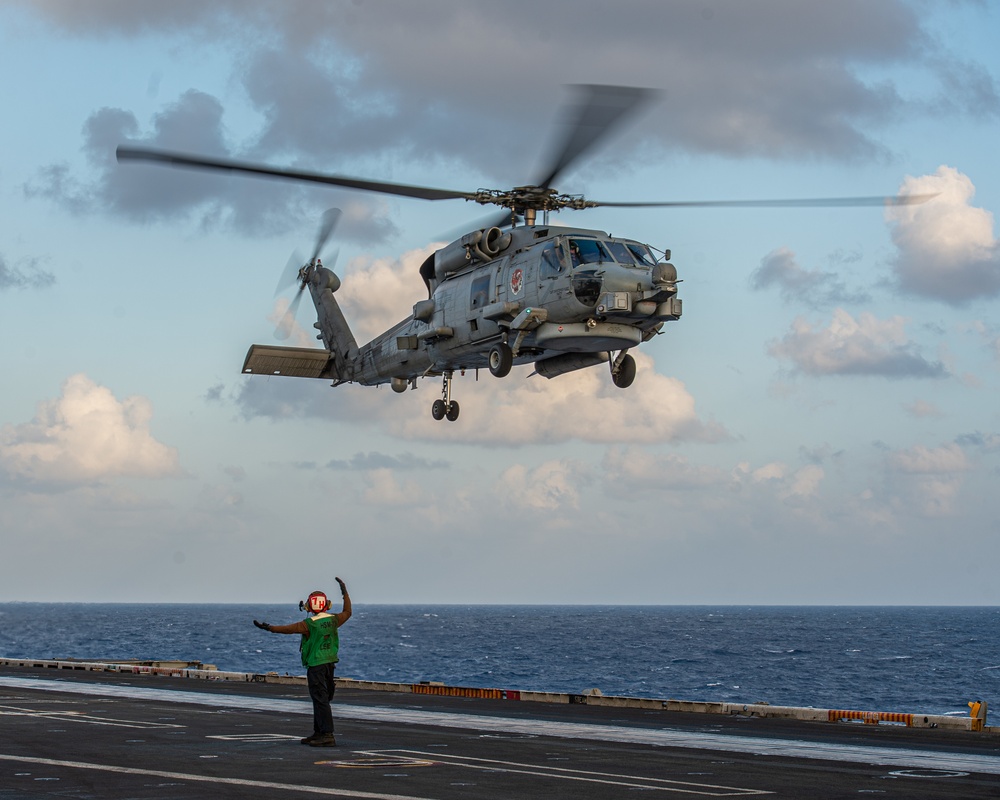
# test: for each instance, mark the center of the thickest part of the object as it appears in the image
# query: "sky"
(820, 427)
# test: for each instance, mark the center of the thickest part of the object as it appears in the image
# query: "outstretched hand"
(264, 626)
(343, 586)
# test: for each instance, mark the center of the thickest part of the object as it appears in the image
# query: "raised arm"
(344, 615)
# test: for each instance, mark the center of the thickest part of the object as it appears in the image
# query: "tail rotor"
(300, 274)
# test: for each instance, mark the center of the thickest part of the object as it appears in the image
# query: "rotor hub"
(537, 198)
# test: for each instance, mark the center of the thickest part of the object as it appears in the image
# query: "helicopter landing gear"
(501, 360)
(445, 406)
(623, 371)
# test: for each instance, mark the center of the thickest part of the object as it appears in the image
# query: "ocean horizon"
(914, 659)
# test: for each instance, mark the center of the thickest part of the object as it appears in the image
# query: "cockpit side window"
(551, 265)
(642, 254)
(587, 251)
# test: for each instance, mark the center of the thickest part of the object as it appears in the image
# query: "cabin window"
(480, 294)
(587, 251)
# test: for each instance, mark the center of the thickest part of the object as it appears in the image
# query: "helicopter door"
(501, 279)
(550, 267)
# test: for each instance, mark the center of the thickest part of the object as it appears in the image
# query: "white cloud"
(583, 405)
(928, 479)
(864, 345)
(805, 482)
(787, 485)
(946, 247)
(920, 460)
(85, 436)
(640, 469)
(548, 487)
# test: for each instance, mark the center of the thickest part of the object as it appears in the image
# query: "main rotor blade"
(601, 109)
(330, 218)
(818, 202)
(173, 159)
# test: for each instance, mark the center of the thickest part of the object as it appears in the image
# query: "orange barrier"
(871, 717)
(460, 691)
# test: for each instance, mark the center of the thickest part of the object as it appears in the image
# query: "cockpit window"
(642, 254)
(622, 254)
(587, 251)
(551, 265)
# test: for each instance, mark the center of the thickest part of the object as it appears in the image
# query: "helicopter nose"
(664, 274)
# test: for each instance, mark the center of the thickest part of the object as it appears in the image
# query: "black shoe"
(321, 740)
(311, 738)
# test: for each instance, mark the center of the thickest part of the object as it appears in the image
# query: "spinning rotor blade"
(818, 202)
(290, 274)
(598, 112)
(229, 165)
(330, 218)
(287, 322)
(601, 109)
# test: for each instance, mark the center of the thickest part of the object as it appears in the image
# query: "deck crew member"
(319, 646)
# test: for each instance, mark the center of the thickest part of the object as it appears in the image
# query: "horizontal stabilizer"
(292, 362)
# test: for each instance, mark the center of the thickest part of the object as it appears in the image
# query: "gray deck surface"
(96, 735)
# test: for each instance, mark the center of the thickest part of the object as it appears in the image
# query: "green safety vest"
(320, 645)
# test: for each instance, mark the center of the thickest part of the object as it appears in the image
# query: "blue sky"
(821, 426)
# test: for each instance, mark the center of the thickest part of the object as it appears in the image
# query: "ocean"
(930, 660)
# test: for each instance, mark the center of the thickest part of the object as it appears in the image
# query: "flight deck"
(83, 731)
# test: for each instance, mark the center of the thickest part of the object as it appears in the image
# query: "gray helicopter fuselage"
(546, 291)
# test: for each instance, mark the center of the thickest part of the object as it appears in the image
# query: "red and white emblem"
(516, 281)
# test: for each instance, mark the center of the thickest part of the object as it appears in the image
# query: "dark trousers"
(321, 689)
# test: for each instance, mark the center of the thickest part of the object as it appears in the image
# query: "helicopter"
(515, 290)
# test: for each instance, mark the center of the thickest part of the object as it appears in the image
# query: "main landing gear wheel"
(625, 374)
(439, 410)
(501, 360)
(445, 406)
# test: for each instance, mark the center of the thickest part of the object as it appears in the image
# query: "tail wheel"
(501, 360)
(625, 374)
(453, 410)
(438, 410)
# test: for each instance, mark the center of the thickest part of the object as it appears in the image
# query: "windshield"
(587, 251)
(622, 254)
(642, 254)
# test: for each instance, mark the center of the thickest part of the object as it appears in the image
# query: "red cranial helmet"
(317, 602)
